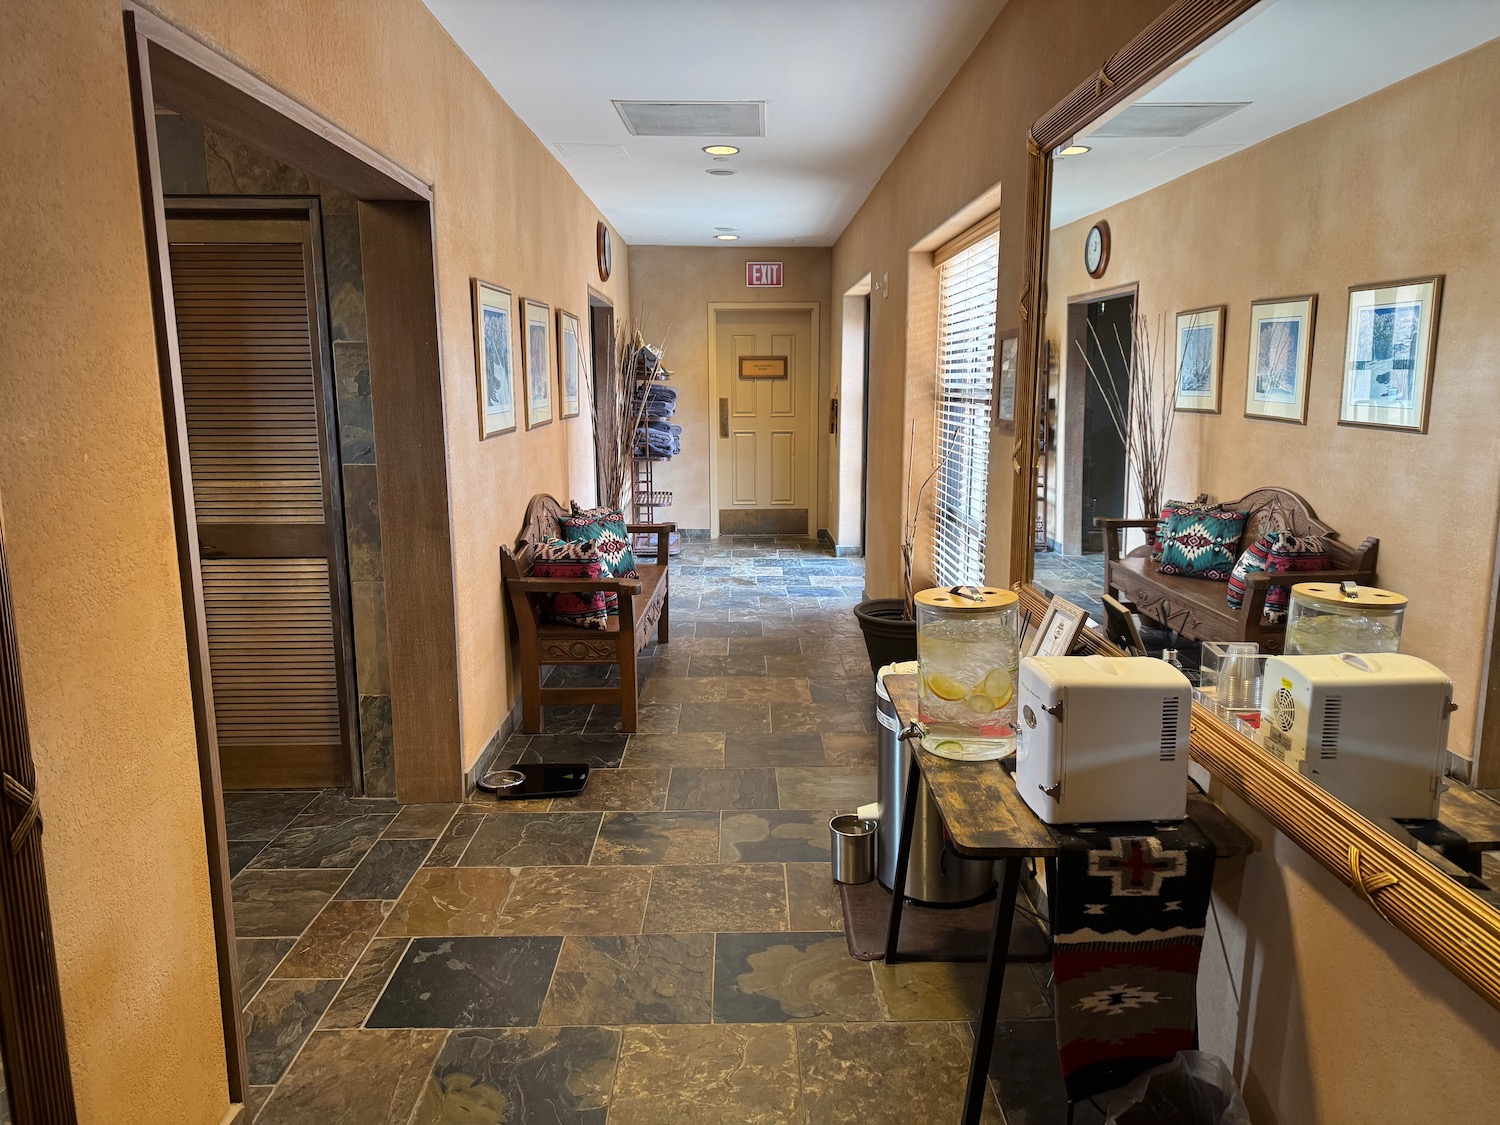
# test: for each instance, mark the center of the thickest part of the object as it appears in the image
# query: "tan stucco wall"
(84, 486)
(1325, 206)
(973, 138)
(1327, 1014)
(672, 288)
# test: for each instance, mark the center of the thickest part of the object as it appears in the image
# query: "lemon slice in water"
(998, 686)
(946, 687)
(980, 703)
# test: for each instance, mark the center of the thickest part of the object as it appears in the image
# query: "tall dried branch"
(618, 413)
(1143, 419)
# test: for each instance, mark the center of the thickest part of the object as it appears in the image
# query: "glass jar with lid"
(1334, 617)
(968, 651)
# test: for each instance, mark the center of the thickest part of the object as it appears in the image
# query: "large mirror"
(1268, 308)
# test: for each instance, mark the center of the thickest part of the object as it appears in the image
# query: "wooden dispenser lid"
(967, 598)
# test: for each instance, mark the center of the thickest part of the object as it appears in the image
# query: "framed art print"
(1281, 339)
(1200, 360)
(1005, 377)
(536, 361)
(569, 364)
(1389, 352)
(494, 358)
(1058, 629)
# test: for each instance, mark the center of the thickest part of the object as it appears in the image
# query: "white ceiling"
(1293, 60)
(844, 82)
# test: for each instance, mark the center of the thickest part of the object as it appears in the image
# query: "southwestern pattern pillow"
(1168, 510)
(604, 527)
(1201, 542)
(580, 562)
(1277, 552)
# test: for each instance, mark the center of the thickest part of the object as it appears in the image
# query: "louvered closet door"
(258, 409)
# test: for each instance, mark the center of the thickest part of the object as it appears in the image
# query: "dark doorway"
(602, 357)
(864, 430)
(1107, 344)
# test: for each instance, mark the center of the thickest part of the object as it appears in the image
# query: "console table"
(986, 819)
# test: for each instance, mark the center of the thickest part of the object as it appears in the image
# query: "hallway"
(665, 947)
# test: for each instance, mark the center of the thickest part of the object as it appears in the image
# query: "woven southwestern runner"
(1128, 911)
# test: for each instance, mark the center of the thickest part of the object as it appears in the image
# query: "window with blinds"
(967, 285)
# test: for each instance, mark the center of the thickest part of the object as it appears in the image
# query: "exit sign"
(763, 275)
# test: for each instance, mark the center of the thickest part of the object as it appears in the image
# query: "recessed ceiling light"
(727, 237)
(720, 150)
(719, 171)
(727, 228)
(1074, 150)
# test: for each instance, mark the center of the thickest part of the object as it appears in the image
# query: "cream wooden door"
(765, 426)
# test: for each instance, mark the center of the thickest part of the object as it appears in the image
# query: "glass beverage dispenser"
(968, 652)
(1334, 617)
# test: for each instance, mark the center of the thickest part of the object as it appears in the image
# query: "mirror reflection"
(1269, 420)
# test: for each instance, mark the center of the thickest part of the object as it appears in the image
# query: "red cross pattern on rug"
(1136, 865)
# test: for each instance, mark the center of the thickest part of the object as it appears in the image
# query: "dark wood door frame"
(170, 68)
(38, 1078)
(303, 209)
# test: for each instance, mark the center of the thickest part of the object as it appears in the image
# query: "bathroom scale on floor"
(535, 781)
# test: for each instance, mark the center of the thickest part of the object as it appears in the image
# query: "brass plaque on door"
(763, 367)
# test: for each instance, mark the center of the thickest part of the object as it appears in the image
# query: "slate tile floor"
(664, 948)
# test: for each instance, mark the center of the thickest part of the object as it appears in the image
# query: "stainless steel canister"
(853, 848)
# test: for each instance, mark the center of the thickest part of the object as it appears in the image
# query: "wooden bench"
(644, 611)
(1197, 608)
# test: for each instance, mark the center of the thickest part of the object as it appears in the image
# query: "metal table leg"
(903, 856)
(994, 981)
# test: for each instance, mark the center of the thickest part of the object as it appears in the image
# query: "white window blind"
(967, 284)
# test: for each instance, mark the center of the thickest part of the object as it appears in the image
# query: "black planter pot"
(890, 636)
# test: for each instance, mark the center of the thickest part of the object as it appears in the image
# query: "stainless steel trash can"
(853, 841)
(935, 876)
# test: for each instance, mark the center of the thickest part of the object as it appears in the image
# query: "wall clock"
(602, 249)
(1096, 249)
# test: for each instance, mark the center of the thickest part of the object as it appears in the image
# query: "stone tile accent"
(632, 979)
(776, 978)
(468, 982)
(657, 838)
(719, 1074)
(556, 1075)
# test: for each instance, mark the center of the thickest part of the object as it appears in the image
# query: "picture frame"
(1200, 360)
(1280, 358)
(569, 364)
(536, 361)
(1389, 351)
(1058, 629)
(1006, 344)
(494, 357)
(1121, 629)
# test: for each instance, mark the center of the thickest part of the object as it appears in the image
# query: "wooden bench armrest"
(1291, 577)
(1114, 529)
(663, 533)
(623, 586)
(1258, 586)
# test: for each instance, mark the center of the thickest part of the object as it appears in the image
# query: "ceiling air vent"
(694, 119)
(1148, 119)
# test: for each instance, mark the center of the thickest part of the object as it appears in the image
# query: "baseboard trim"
(491, 749)
(694, 533)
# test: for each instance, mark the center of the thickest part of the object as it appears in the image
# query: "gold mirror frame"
(1446, 919)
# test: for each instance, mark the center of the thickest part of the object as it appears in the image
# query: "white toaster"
(1103, 739)
(1371, 729)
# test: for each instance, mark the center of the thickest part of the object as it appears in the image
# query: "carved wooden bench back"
(1281, 509)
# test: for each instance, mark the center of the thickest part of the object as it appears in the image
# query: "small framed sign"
(763, 367)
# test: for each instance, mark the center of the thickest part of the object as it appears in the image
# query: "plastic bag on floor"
(1193, 1089)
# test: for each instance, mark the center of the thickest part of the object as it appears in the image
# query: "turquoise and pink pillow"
(605, 528)
(1200, 542)
(576, 562)
(1277, 552)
